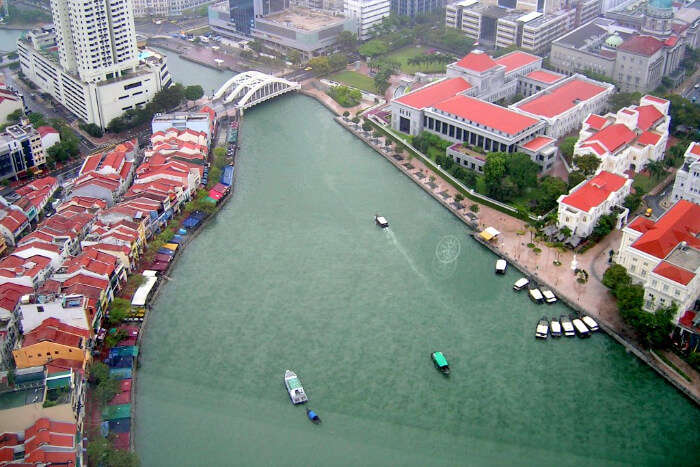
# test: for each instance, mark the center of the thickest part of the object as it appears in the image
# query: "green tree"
(92, 129)
(347, 41)
(588, 164)
(100, 451)
(106, 390)
(381, 80)
(256, 45)
(623, 99)
(575, 177)
(629, 301)
(194, 92)
(604, 226)
(567, 146)
(632, 201)
(116, 125)
(97, 371)
(549, 189)
(366, 126)
(654, 328)
(320, 65)
(566, 231)
(656, 169)
(36, 119)
(15, 116)
(373, 48)
(616, 276)
(522, 169)
(337, 61)
(219, 152)
(494, 168)
(119, 310)
(294, 56)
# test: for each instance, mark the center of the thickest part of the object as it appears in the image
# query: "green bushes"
(345, 96)
(92, 129)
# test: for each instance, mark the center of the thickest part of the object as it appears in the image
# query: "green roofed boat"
(294, 388)
(440, 363)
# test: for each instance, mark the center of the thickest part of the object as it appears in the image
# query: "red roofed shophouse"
(47, 442)
(580, 210)
(39, 191)
(49, 136)
(664, 256)
(51, 340)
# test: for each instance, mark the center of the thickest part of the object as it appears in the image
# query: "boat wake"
(392, 237)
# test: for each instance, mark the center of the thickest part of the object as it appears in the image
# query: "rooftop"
(543, 76)
(304, 19)
(595, 191)
(679, 224)
(477, 61)
(557, 100)
(515, 60)
(487, 114)
(430, 95)
(642, 45)
(613, 137)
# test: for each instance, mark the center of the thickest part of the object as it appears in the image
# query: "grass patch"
(402, 56)
(675, 368)
(645, 182)
(354, 79)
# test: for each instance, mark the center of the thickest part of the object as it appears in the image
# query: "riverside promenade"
(591, 297)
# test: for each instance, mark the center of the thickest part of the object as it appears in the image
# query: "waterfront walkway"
(591, 297)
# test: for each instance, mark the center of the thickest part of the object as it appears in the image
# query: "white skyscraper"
(366, 13)
(98, 73)
(96, 38)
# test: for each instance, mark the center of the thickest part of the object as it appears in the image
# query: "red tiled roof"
(596, 121)
(477, 61)
(641, 224)
(13, 220)
(595, 191)
(114, 159)
(487, 114)
(648, 115)
(562, 98)
(613, 137)
(671, 41)
(649, 138)
(655, 99)
(59, 365)
(641, 45)
(673, 272)
(45, 130)
(681, 223)
(596, 147)
(538, 143)
(434, 93)
(515, 60)
(123, 397)
(544, 76)
(91, 163)
(51, 335)
(694, 148)
(687, 319)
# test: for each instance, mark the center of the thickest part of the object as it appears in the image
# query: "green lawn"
(645, 182)
(354, 79)
(402, 55)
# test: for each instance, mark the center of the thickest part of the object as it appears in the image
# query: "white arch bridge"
(251, 88)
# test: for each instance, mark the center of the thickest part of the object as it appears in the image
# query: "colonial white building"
(97, 73)
(366, 14)
(687, 184)
(664, 256)
(629, 139)
(591, 199)
(566, 104)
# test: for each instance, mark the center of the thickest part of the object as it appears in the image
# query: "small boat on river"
(501, 266)
(315, 419)
(542, 329)
(294, 388)
(536, 295)
(555, 327)
(381, 221)
(581, 330)
(520, 284)
(567, 326)
(590, 322)
(440, 363)
(549, 296)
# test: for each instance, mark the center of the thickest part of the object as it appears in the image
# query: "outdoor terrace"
(304, 19)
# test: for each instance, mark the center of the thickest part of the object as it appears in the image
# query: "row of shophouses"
(461, 108)
(59, 280)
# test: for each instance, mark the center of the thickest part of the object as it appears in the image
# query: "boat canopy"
(144, 290)
(440, 359)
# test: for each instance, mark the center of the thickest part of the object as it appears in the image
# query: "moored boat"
(535, 295)
(294, 388)
(542, 329)
(440, 363)
(555, 327)
(567, 326)
(581, 330)
(590, 322)
(549, 296)
(501, 266)
(381, 221)
(520, 284)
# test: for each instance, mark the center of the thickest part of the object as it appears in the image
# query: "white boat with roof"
(501, 266)
(567, 326)
(535, 295)
(581, 330)
(549, 296)
(555, 327)
(542, 329)
(520, 284)
(590, 322)
(294, 388)
(381, 221)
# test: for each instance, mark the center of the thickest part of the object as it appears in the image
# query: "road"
(149, 29)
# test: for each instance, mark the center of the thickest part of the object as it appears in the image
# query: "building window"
(40, 309)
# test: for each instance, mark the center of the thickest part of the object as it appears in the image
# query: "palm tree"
(656, 169)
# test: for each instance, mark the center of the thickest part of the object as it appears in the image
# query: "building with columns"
(687, 183)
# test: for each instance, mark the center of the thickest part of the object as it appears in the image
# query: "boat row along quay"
(131, 212)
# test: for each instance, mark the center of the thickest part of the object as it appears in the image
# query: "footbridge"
(247, 89)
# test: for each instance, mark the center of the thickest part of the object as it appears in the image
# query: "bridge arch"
(253, 87)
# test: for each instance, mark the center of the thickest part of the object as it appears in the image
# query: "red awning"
(221, 188)
(215, 195)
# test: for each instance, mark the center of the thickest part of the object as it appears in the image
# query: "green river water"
(293, 273)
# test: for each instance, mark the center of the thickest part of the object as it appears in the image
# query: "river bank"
(591, 298)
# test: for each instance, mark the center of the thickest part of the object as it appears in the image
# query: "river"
(293, 273)
(8, 39)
